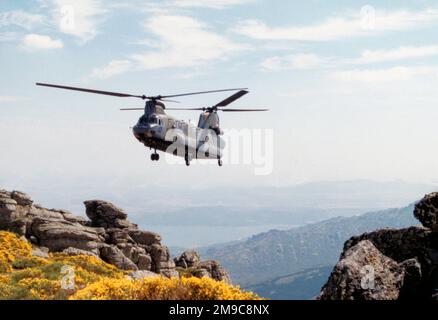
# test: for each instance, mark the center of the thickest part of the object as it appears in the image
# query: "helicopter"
(160, 131)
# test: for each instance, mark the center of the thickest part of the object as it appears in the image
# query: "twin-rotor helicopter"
(160, 131)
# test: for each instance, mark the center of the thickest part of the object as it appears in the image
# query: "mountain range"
(261, 260)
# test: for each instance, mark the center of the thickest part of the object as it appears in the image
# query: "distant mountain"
(304, 285)
(194, 215)
(277, 253)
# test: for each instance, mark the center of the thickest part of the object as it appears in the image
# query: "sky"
(351, 87)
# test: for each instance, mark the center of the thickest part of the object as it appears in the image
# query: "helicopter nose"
(143, 131)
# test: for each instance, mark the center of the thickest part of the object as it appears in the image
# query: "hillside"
(278, 253)
(304, 285)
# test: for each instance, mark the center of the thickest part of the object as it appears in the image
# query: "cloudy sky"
(352, 88)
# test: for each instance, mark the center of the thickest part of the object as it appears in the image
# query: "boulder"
(105, 214)
(21, 198)
(214, 269)
(78, 252)
(426, 211)
(364, 273)
(142, 274)
(118, 236)
(144, 262)
(144, 237)
(115, 256)
(41, 252)
(187, 259)
(59, 234)
(160, 258)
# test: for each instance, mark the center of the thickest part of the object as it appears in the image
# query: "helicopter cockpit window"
(154, 120)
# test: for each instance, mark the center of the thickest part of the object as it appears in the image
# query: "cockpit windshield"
(151, 119)
(154, 120)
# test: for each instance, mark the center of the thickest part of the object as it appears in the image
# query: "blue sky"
(351, 86)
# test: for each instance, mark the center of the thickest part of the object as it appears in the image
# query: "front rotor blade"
(200, 92)
(108, 93)
(231, 99)
(132, 109)
(198, 109)
(243, 110)
(167, 100)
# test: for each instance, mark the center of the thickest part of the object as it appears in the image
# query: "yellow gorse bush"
(161, 288)
(23, 276)
(12, 247)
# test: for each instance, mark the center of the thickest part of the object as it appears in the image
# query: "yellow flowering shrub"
(23, 276)
(162, 288)
(12, 247)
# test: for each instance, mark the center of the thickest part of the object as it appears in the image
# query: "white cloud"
(373, 56)
(41, 42)
(21, 19)
(113, 68)
(341, 27)
(400, 73)
(215, 4)
(79, 18)
(178, 41)
(183, 42)
(294, 61)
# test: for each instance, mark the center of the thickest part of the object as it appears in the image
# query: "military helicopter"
(160, 131)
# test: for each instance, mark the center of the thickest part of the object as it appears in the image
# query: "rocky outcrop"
(190, 261)
(107, 235)
(390, 263)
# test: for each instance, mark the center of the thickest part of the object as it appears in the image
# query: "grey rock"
(115, 256)
(72, 218)
(144, 262)
(187, 259)
(78, 252)
(364, 273)
(215, 270)
(145, 237)
(427, 211)
(41, 252)
(118, 236)
(105, 214)
(142, 274)
(170, 273)
(21, 198)
(59, 234)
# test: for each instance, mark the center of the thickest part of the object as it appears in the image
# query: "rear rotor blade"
(243, 110)
(231, 99)
(108, 93)
(200, 92)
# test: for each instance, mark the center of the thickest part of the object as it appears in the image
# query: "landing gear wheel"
(220, 163)
(155, 157)
(187, 158)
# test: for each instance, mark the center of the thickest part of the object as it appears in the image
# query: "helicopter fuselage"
(159, 131)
